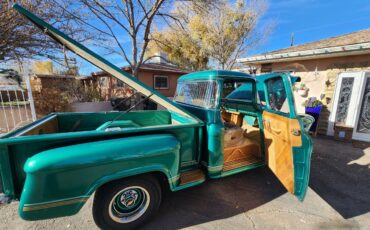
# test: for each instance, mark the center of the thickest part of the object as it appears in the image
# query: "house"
(160, 76)
(337, 70)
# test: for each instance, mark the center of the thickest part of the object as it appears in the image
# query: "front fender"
(59, 181)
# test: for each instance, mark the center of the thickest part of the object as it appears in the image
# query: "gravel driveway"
(338, 198)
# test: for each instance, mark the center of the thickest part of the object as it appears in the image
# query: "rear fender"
(59, 181)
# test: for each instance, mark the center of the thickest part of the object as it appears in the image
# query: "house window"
(160, 82)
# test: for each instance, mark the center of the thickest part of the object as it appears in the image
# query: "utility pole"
(292, 39)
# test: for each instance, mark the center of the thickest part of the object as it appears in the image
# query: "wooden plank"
(50, 126)
(242, 150)
(251, 159)
(191, 176)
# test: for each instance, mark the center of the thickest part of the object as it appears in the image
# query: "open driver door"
(288, 146)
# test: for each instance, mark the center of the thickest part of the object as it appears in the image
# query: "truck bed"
(77, 122)
(64, 129)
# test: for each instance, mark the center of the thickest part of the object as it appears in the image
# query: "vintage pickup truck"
(219, 123)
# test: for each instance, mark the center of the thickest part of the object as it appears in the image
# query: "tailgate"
(6, 179)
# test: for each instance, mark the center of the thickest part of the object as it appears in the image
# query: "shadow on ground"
(217, 199)
(340, 174)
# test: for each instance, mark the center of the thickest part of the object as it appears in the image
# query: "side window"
(243, 91)
(276, 95)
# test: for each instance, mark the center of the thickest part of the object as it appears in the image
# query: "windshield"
(197, 93)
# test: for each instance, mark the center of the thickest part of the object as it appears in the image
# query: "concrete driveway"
(338, 198)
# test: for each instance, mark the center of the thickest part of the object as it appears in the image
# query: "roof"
(154, 67)
(346, 39)
(348, 44)
(215, 74)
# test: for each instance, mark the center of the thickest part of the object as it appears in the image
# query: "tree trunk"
(137, 97)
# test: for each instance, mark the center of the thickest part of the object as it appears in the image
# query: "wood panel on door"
(281, 134)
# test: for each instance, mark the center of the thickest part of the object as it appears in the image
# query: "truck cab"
(249, 122)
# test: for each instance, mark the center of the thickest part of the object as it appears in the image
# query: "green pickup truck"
(219, 123)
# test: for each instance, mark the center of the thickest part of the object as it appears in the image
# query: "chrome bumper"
(4, 199)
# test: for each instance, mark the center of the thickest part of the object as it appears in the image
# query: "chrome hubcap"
(129, 198)
(129, 204)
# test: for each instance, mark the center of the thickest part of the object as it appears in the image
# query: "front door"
(346, 100)
(361, 130)
(351, 105)
(287, 146)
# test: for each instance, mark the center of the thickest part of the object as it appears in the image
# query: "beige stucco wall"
(320, 76)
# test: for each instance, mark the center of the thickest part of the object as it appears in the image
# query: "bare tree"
(121, 22)
(20, 40)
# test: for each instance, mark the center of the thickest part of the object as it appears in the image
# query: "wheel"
(126, 204)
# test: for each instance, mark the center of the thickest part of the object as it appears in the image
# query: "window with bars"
(198, 93)
(345, 94)
(161, 82)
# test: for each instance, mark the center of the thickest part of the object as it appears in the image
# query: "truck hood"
(102, 63)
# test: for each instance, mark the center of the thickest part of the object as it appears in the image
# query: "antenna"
(292, 39)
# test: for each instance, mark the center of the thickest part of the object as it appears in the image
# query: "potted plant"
(302, 90)
(312, 102)
(313, 107)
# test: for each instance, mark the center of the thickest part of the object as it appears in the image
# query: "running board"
(192, 176)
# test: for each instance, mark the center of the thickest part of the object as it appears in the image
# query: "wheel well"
(159, 176)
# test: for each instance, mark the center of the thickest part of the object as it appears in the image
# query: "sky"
(309, 20)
